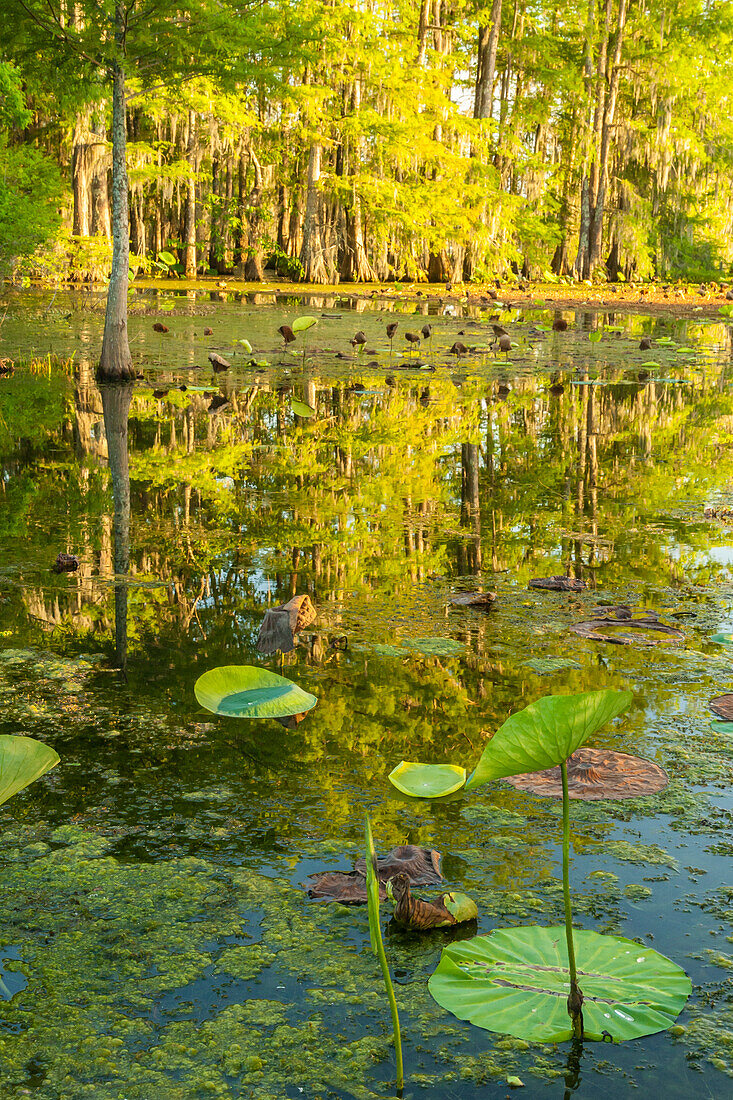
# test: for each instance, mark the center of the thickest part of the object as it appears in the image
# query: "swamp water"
(154, 934)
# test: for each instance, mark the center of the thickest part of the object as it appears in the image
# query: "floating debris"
(594, 774)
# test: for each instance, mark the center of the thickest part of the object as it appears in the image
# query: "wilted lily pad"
(558, 584)
(420, 865)
(427, 780)
(244, 691)
(594, 774)
(722, 706)
(516, 980)
(281, 624)
(420, 915)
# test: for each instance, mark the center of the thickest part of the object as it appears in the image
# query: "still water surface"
(155, 935)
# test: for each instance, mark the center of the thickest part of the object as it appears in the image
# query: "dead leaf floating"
(420, 865)
(65, 563)
(160, 327)
(595, 774)
(281, 624)
(217, 402)
(415, 913)
(287, 333)
(208, 332)
(558, 584)
(483, 601)
(722, 705)
(595, 628)
(218, 362)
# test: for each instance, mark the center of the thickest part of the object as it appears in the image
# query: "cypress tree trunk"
(312, 250)
(115, 361)
(190, 251)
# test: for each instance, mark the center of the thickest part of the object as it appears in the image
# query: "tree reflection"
(116, 399)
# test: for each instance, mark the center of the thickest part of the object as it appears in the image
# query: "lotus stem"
(396, 1034)
(575, 1000)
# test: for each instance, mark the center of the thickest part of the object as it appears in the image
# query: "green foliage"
(30, 191)
(22, 761)
(427, 780)
(245, 691)
(515, 980)
(546, 733)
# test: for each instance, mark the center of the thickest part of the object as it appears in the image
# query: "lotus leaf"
(427, 780)
(244, 691)
(301, 409)
(722, 639)
(22, 761)
(515, 980)
(416, 913)
(546, 733)
(435, 647)
(302, 324)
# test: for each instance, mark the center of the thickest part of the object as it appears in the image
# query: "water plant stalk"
(575, 1000)
(375, 931)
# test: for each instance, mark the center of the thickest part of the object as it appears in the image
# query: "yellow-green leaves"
(427, 780)
(22, 761)
(546, 733)
(515, 981)
(245, 691)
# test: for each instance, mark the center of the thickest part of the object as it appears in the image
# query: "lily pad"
(722, 727)
(302, 324)
(427, 780)
(301, 409)
(244, 691)
(420, 915)
(435, 647)
(22, 761)
(546, 733)
(722, 639)
(516, 981)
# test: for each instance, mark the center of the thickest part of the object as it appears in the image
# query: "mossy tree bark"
(115, 362)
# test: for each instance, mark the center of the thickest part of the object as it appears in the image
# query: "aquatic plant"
(245, 691)
(375, 936)
(514, 980)
(22, 761)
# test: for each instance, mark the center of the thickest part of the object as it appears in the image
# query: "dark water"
(155, 934)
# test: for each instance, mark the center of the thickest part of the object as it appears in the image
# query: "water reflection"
(116, 399)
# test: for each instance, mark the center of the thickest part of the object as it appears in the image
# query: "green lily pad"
(390, 650)
(427, 780)
(301, 409)
(245, 691)
(722, 727)
(435, 647)
(545, 666)
(516, 980)
(546, 733)
(722, 639)
(22, 761)
(302, 324)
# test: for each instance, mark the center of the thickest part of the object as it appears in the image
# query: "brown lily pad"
(597, 773)
(65, 563)
(281, 624)
(480, 600)
(420, 915)
(558, 584)
(420, 865)
(218, 362)
(722, 706)
(642, 627)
